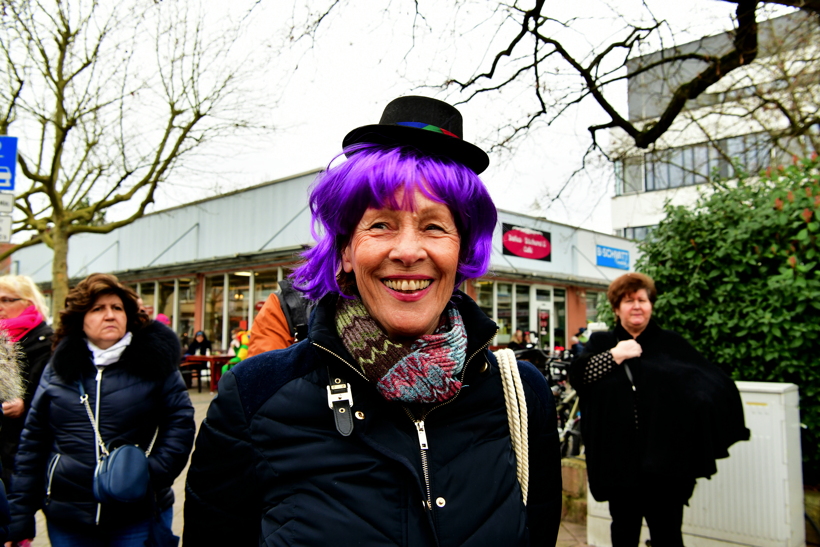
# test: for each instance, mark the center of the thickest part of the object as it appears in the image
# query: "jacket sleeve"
(545, 488)
(599, 342)
(270, 328)
(222, 492)
(28, 482)
(176, 433)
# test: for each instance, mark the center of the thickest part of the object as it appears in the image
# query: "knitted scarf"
(423, 373)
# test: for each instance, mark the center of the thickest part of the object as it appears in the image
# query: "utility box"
(756, 497)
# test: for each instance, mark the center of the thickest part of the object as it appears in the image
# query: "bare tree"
(108, 98)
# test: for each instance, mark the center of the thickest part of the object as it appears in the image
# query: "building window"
(187, 304)
(504, 312)
(239, 299)
(638, 233)
(145, 290)
(484, 297)
(212, 320)
(559, 327)
(592, 299)
(522, 308)
(691, 165)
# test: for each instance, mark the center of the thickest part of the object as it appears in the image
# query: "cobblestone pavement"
(570, 535)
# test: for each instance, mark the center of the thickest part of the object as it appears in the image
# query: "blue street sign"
(612, 257)
(8, 162)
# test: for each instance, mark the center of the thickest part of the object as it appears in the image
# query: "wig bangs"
(371, 178)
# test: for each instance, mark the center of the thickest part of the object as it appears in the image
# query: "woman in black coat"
(128, 367)
(656, 415)
(23, 313)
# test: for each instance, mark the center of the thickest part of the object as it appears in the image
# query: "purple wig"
(369, 179)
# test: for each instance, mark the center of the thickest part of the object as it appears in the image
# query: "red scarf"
(17, 327)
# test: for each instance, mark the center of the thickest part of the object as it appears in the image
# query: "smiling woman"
(387, 425)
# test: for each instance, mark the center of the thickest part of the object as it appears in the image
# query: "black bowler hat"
(428, 124)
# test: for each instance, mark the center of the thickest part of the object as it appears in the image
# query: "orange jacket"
(270, 328)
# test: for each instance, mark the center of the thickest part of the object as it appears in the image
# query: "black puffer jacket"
(271, 469)
(131, 398)
(35, 347)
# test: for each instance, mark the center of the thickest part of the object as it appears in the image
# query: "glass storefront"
(239, 299)
(146, 292)
(537, 309)
(165, 299)
(187, 312)
(559, 331)
(592, 299)
(212, 318)
(265, 282)
(503, 311)
(484, 296)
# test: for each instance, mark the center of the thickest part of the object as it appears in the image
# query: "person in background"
(282, 320)
(23, 313)
(517, 340)
(577, 347)
(128, 366)
(11, 388)
(388, 424)
(200, 346)
(656, 416)
(164, 319)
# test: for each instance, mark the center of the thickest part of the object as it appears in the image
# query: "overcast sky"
(365, 55)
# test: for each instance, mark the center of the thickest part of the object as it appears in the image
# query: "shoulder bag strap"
(84, 400)
(516, 415)
(103, 448)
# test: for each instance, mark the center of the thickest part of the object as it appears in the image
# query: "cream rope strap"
(516, 415)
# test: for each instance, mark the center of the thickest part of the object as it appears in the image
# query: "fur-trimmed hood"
(152, 354)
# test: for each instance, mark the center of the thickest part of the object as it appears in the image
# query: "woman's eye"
(378, 226)
(435, 227)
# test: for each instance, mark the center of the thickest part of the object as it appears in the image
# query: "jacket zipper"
(52, 467)
(419, 424)
(422, 431)
(97, 444)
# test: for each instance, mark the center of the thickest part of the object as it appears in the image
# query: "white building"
(742, 118)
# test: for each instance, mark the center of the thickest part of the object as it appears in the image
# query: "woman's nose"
(408, 247)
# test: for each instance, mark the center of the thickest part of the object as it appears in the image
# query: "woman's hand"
(13, 408)
(626, 349)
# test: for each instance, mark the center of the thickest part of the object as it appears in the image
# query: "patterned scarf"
(423, 373)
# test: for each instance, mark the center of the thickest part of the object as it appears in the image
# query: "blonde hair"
(24, 287)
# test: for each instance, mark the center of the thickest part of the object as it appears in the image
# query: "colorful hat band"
(427, 127)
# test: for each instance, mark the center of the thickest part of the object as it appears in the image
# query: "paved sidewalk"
(570, 535)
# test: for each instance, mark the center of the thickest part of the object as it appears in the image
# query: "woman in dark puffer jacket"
(128, 367)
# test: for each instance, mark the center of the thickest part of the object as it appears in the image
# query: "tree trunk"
(59, 273)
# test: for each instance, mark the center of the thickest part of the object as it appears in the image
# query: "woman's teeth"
(407, 284)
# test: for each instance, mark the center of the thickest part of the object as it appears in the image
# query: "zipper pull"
(422, 434)
(99, 374)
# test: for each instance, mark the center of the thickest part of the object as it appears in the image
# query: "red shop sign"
(526, 243)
